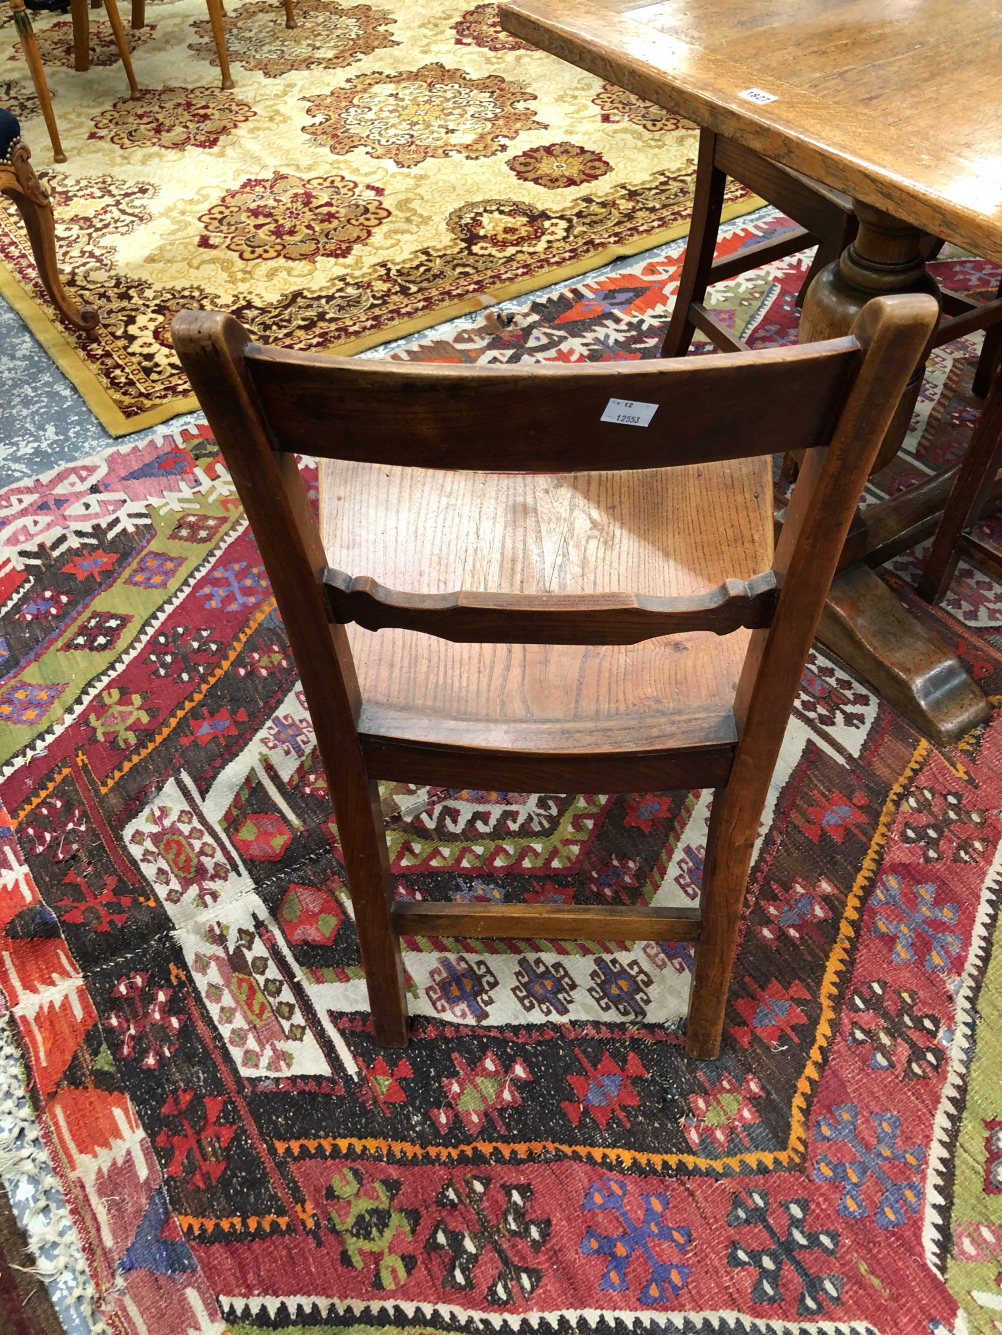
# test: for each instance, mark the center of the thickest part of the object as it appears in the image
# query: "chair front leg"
(729, 844)
(366, 860)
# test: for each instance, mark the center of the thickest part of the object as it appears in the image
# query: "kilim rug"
(206, 1137)
(374, 170)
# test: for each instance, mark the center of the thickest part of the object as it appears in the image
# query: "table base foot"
(866, 625)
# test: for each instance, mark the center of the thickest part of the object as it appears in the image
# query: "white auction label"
(628, 413)
(758, 95)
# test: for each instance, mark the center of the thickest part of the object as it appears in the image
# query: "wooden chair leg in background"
(991, 356)
(138, 13)
(290, 13)
(966, 500)
(81, 35)
(219, 37)
(707, 206)
(26, 35)
(824, 219)
(117, 27)
(20, 184)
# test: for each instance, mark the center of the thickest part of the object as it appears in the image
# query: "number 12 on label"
(627, 412)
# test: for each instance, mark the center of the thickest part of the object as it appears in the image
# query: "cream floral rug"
(374, 170)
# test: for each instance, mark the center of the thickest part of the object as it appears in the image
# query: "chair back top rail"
(549, 618)
(553, 418)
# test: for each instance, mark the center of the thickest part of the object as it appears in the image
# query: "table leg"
(864, 622)
(81, 34)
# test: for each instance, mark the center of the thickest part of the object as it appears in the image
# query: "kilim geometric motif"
(183, 982)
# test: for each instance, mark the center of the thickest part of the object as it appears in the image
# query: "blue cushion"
(10, 130)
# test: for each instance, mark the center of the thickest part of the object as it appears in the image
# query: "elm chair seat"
(654, 531)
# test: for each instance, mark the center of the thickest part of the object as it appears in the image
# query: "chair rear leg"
(991, 355)
(964, 504)
(707, 206)
(725, 878)
(115, 19)
(363, 842)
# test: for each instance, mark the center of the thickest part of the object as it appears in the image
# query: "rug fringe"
(38, 1202)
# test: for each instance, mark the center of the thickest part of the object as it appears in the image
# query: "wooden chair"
(81, 46)
(20, 184)
(217, 16)
(29, 46)
(825, 218)
(492, 609)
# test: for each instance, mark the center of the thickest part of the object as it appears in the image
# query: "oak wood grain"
(894, 104)
(547, 764)
(549, 618)
(655, 531)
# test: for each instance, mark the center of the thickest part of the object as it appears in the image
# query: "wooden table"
(899, 104)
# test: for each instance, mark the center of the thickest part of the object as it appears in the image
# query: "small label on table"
(628, 413)
(757, 95)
